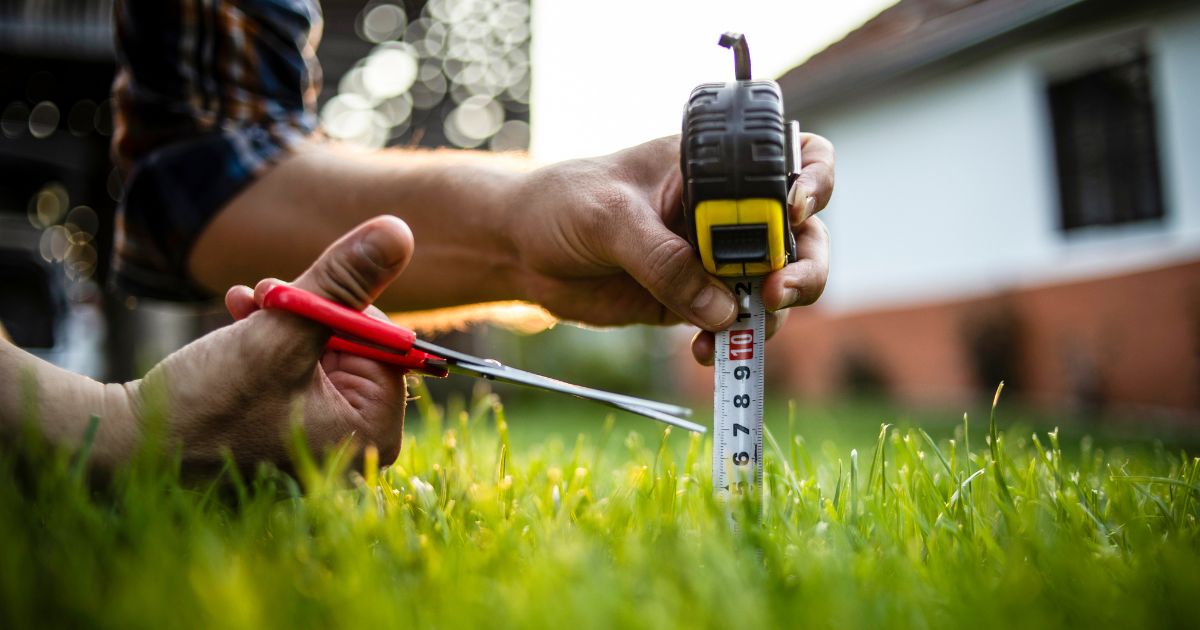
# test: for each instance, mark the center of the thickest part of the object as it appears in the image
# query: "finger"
(352, 271)
(775, 321)
(239, 301)
(667, 266)
(646, 162)
(813, 188)
(263, 287)
(376, 391)
(357, 267)
(802, 282)
(704, 343)
(613, 300)
(364, 383)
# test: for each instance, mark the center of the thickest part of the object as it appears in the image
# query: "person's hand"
(603, 241)
(240, 386)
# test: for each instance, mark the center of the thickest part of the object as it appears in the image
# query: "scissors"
(360, 334)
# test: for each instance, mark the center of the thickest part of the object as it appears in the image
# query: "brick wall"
(1129, 340)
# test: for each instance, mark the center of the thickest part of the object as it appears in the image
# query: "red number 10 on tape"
(741, 345)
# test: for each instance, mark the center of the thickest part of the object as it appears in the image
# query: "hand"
(237, 387)
(602, 241)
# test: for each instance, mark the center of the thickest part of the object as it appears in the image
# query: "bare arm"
(61, 403)
(238, 387)
(596, 240)
(455, 202)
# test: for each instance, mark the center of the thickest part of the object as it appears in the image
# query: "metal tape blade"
(738, 398)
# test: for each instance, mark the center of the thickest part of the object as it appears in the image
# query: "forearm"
(60, 404)
(455, 202)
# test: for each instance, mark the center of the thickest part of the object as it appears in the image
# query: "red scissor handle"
(390, 343)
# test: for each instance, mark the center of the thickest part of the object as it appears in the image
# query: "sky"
(613, 74)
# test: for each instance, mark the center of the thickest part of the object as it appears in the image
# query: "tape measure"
(739, 158)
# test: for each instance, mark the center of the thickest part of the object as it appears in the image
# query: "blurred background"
(1018, 195)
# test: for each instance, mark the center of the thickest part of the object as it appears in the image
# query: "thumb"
(352, 271)
(356, 268)
(668, 267)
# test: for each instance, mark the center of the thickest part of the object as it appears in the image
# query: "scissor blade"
(488, 368)
(473, 366)
(667, 418)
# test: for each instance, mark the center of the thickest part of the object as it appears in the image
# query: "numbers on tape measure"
(741, 345)
(738, 393)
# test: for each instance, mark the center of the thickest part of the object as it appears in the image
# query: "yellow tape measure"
(739, 158)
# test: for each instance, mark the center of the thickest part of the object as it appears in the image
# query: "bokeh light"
(43, 119)
(428, 93)
(476, 119)
(381, 22)
(104, 118)
(390, 70)
(512, 136)
(351, 118)
(82, 222)
(55, 242)
(474, 51)
(67, 237)
(80, 261)
(48, 205)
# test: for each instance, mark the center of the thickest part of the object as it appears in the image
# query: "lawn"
(494, 519)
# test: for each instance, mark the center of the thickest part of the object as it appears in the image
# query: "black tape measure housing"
(736, 146)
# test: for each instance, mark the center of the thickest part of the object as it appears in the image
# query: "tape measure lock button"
(741, 237)
(740, 243)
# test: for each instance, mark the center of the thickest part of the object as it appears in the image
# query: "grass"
(477, 526)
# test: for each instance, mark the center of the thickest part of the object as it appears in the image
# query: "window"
(1106, 145)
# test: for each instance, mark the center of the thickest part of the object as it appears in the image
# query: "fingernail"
(382, 249)
(793, 194)
(810, 206)
(713, 306)
(788, 298)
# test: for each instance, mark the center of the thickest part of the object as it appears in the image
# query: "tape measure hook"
(741, 53)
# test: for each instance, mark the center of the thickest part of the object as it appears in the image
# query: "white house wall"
(947, 186)
(1179, 92)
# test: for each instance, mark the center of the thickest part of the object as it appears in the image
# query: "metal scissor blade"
(674, 421)
(474, 366)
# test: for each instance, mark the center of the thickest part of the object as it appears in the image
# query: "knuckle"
(280, 344)
(775, 321)
(610, 203)
(344, 283)
(667, 263)
(389, 451)
(822, 229)
(813, 285)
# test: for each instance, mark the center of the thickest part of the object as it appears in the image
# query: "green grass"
(491, 522)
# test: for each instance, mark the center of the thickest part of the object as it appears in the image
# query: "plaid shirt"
(209, 94)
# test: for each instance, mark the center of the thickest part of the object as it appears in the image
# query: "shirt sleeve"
(209, 94)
